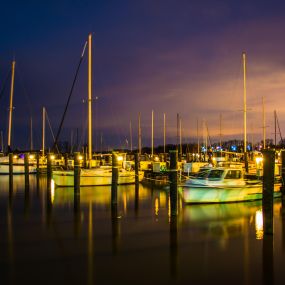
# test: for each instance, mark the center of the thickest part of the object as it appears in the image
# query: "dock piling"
(115, 176)
(268, 190)
(76, 173)
(173, 182)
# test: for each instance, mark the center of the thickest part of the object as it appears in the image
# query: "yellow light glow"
(31, 156)
(258, 160)
(214, 159)
(120, 158)
(259, 224)
(15, 156)
(52, 157)
(156, 206)
(52, 192)
(80, 157)
(156, 158)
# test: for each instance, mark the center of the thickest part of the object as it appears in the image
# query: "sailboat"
(18, 160)
(93, 176)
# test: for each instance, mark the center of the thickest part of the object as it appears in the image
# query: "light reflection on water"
(85, 239)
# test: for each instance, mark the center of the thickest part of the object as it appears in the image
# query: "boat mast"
(11, 104)
(263, 119)
(198, 142)
(32, 145)
(44, 130)
(164, 133)
(140, 135)
(220, 132)
(90, 98)
(275, 127)
(152, 134)
(180, 136)
(244, 100)
(131, 136)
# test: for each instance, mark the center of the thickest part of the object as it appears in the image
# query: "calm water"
(48, 237)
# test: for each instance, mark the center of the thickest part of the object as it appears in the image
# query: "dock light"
(119, 158)
(80, 157)
(31, 156)
(52, 157)
(15, 156)
(156, 158)
(258, 160)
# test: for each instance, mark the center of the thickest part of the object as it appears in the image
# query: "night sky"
(168, 56)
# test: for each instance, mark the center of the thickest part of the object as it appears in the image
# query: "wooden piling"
(76, 173)
(49, 167)
(136, 168)
(26, 165)
(268, 189)
(115, 176)
(11, 156)
(173, 182)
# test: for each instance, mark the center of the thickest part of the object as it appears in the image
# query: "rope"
(69, 97)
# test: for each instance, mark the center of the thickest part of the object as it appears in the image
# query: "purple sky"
(168, 56)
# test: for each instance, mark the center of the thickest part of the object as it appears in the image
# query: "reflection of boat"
(95, 177)
(219, 185)
(18, 164)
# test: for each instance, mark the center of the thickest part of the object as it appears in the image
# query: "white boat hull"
(206, 194)
(94, 177)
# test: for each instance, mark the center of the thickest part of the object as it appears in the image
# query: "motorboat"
(223, 184)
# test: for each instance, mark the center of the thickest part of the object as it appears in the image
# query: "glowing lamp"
(120, 158)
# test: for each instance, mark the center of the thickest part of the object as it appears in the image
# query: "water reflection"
(87, 231)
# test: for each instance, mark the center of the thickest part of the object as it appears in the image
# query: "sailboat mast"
(90, 98)
(180, 137)
(275, 120)
(244, 100)
(221, 132)
(263, 119)
(164, 133)
(131, 136)
(44, 130)
(152, 133)
(140, 135)
(11, 103)
(198, 141)
(32, 145)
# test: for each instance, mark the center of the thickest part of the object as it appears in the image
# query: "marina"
(141, 143)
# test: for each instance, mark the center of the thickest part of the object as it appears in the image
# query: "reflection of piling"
(268, 260)
(26, 163)
(173, 182)
(115, 228)
(173, 246)
(76, 173)
(283, 171)
(115, 176)
(268, 189)
(137, 168)
(65, 157)
(246, 162)
(10, 170)
(137, 199)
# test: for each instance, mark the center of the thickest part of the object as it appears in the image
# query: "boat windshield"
(203, 174)
(233, 174)
(215, 174)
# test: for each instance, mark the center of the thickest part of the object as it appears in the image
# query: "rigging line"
(5, 84)
(49, 124)
(69, 97)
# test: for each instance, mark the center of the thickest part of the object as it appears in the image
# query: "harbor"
(142, 142)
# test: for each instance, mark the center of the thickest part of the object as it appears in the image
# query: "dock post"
(11, 156)
(115, 176)
(26, 164)
(49, 167)
(38, 163)
(173, 182)
(137, 168)
(283, 171)
(76, 173)
(268, 190)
